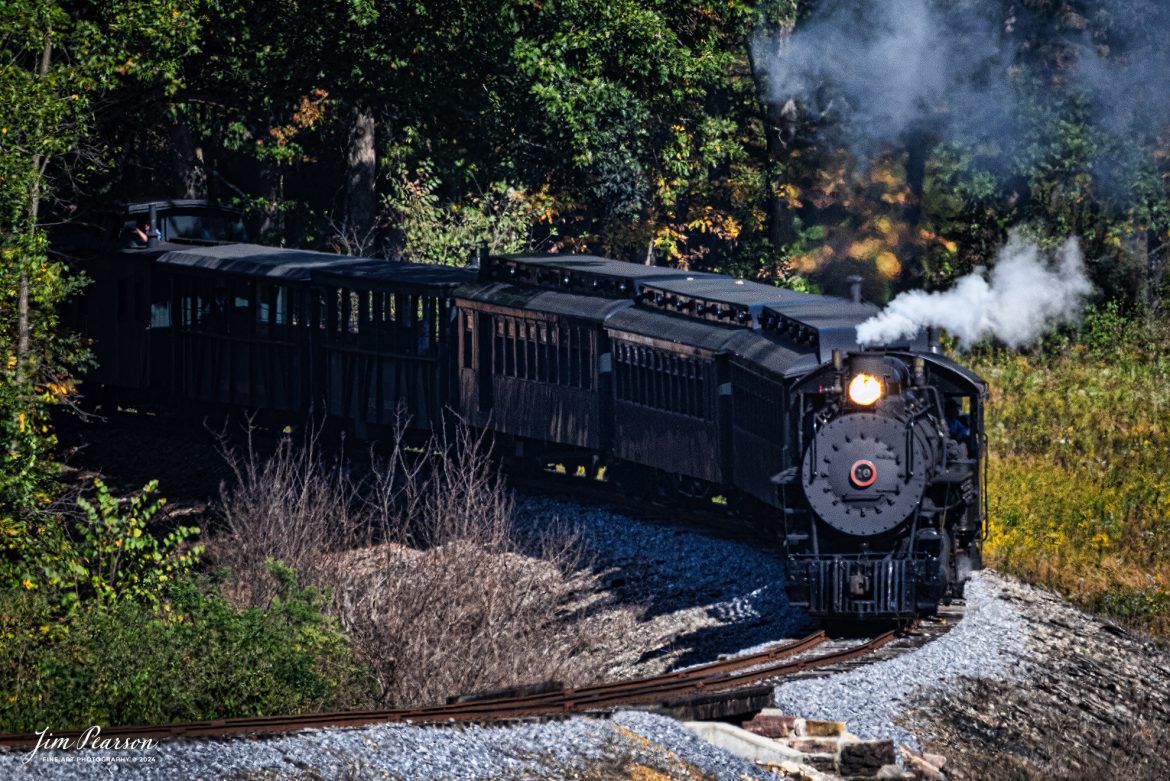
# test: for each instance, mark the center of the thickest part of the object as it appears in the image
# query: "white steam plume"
(1022, 297)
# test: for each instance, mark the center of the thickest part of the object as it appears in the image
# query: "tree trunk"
(360, 207)
(919, 142)
(779, 120)
(270, 225)
(1155, 271)
(1135, 267)
(23, 316)
(191, 165)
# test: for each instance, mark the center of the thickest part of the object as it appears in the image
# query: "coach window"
(280, 303)
(498, 346)
(240, 314)
(384, 305)
(365, 318)
(353, 315)
(510, 347)
(664, 365)
(345, 314)
(269, 309)
(530, 342)
(160, 310)
(428, 322)
(295, 316)
(538, 351)
(189, 304)
(660, 380)
(468, 331)
(542, 352)
(399, 314)
(673, 386)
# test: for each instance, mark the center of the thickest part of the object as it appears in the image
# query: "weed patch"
(1079, 472)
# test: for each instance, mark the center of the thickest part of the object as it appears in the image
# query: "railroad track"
(713, 680)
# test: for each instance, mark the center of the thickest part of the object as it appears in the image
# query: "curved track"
(715, 678)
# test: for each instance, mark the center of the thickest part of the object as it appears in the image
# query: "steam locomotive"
(867, 462)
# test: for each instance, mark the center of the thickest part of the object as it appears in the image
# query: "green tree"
(58, 60)
(635, 128)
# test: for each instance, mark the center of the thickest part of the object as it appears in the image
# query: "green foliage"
(639, 119)
(28, 472)
(1080, 456)
(125, 663)
(1104, 329)
(647, 107)
(446, 233)
(56, 60)
(118, 557)
(110, 553)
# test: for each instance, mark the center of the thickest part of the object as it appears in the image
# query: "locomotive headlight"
(865, 389)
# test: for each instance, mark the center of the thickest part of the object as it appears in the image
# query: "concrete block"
(744, 744)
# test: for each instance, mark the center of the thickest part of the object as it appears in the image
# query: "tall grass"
(1079, 472)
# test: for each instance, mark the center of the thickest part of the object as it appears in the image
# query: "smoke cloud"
(888, 67)
(959, 70)
(1024, 296)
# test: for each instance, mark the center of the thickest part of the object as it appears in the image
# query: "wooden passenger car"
(245, 324)
(125, 311)
(387, 340)
(672, 375)
(534, 362)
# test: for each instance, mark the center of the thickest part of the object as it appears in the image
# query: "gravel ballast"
(576, 748)
(698, 596)
(984, 644)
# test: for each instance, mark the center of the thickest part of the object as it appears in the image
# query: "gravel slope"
(1081, 699)
(698, 596)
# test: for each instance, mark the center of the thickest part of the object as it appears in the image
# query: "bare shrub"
(289, 506)
(455, 600)
(451, 599)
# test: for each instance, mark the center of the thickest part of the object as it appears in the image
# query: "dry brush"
(429, 574)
